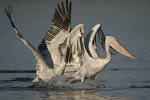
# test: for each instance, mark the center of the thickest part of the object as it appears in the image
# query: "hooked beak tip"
(132, 57)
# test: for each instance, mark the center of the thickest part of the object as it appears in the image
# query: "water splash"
(57, 82)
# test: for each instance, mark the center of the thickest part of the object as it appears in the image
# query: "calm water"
(125, 79)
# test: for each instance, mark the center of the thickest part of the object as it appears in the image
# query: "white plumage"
(72, 54)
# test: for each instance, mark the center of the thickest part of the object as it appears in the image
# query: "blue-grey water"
(124, 78)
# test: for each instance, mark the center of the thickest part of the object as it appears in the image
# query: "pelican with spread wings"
(54, 44)
(92, 63)
(65, 51)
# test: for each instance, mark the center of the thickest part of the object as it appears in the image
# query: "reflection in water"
(75, 95)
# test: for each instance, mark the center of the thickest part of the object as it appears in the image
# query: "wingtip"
(96, 27)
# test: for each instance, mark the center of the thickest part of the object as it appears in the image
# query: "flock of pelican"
(65, 51)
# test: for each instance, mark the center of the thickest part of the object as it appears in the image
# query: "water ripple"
(20, 79)
(134, 86)
(117, 69)
(17, 71)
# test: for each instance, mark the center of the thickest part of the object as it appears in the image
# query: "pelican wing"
(86, 42)
(54, 42)
(95, 41)
(75, 50)
(35, 52)
(99, 39)
(74, 43)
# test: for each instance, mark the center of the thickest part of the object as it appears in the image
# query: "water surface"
(125, 79)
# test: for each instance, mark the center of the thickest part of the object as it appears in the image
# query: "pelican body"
(92, 65)
(43, 71)
(53, 44)
(66, 46)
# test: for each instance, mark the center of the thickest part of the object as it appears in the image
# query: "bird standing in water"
(72, 54)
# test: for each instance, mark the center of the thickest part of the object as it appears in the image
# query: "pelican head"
(115, 44)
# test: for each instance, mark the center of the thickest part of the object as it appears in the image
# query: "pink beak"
(119, 48)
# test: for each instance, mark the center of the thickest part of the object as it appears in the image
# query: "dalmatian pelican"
(53, 44)
(67, 49)
(43, 71)
(92, 64)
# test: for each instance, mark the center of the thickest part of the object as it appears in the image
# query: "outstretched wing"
(53, 42)
(95, 41)
(75, 50)
(86, 42)
(74, 43)
(40, 61)
(99, 40)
